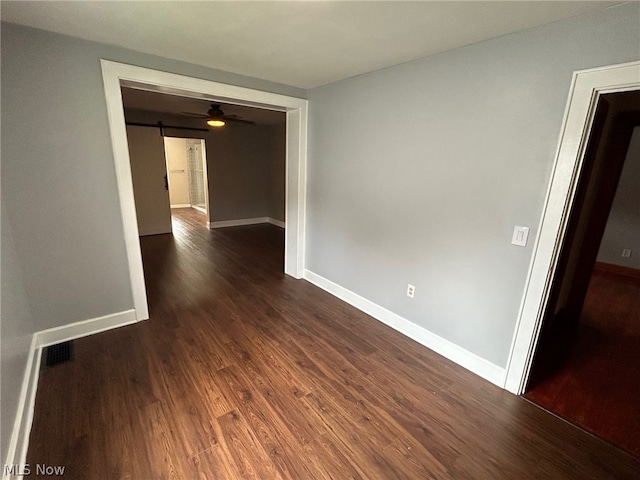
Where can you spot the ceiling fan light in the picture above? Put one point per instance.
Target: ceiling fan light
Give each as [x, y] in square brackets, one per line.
[216, 122]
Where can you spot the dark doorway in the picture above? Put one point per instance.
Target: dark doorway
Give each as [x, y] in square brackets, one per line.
[585, 367]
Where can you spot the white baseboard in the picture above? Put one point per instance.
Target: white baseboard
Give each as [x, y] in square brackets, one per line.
[154, 231]
[276, 222]
[237, 223]
[19, 443]
[472, 362]
[85, 328]
[181, 205]
[245, 221]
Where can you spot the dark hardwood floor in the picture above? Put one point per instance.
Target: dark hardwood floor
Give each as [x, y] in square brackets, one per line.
[242, 372]
[598, 385]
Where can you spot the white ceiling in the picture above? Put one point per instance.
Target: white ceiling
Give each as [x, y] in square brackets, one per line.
[303, 44]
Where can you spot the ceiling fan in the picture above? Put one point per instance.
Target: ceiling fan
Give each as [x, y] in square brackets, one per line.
[217, 118]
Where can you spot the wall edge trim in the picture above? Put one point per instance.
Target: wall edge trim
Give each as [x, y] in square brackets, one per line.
[19, 442]
[276, 222]
[85, 328]
[237, 222]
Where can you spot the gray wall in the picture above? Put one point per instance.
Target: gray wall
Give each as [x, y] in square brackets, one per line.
[418, 173]
[63, 253]
[16, 329]
[58, 175]
[245, 164]
[623, 225]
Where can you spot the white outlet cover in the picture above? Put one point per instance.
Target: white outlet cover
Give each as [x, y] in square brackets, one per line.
[520, 236]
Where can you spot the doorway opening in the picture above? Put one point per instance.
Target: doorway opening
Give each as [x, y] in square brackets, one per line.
[586, 88]
[187, 173]
[587, 356]
[170, 174]
[116, 75]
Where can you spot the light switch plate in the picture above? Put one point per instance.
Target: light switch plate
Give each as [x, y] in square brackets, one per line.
[520, 236]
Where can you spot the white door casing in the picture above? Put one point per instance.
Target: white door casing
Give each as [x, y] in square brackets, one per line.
[116, 75]
[586, 88]
[205, 169]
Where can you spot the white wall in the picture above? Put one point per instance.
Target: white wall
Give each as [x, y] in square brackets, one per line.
[623, 225]
[178, 170]
[418, 173]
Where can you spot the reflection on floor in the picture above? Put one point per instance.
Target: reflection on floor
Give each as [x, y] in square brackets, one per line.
[598, 388]
[184, 218]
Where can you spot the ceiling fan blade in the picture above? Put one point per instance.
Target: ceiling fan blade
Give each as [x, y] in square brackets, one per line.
[196, 114]
[228, 118]
[238, 120]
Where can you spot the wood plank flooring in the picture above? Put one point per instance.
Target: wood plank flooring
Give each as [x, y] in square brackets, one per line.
[598, 386]
[244, 373]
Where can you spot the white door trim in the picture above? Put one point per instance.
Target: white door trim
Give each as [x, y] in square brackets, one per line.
[205, 172]
[586, 88]
[116, 75]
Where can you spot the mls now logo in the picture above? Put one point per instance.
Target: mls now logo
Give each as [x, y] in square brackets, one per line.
[49, 470]
[16, 469]
[41, 469]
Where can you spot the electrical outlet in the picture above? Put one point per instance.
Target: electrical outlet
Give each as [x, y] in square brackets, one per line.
[411, 291]
[626, 253]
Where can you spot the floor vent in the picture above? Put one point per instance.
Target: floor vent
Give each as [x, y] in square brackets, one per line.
[59, 353]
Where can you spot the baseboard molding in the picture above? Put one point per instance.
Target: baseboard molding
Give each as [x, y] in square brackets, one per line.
[19, 442]
[85, 328]
[245, 221]
[276, 222]
[472, 362]
[181, 205]
[237, 223]
[157, 231]
[617, 269]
